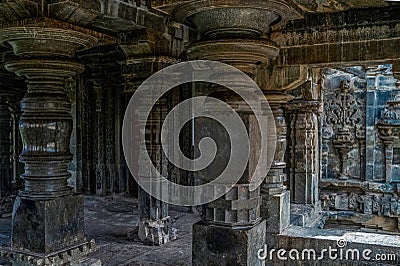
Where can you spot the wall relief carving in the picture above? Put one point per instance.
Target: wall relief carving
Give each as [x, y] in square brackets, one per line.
[343, 130]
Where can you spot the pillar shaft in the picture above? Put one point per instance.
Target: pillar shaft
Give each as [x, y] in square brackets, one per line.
[240, 40]
[304, 156]
[5, 150]
[154, 221]
[98, 132]
[276, 197]
[46, 125]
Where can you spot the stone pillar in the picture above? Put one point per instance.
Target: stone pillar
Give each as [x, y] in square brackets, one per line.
[232, 229]
[155, 226]
[389, 132]
[48, 218]
[276, 197]
[304, 157]
[236, 33]
[5, 149]
[154, 221]
[99, 147]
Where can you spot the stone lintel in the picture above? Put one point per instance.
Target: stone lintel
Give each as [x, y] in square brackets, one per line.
[282, 78]
[340, 46]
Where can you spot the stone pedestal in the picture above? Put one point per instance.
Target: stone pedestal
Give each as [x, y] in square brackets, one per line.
[278, 207]
[48, 226]
[51, 229]
[218, 245]
[42, 235]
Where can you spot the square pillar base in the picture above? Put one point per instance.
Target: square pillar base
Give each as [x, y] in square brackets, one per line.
[48, 225]
[278, 212]
[217, 245]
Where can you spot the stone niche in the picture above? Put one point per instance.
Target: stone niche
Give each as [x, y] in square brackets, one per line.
[354, 187]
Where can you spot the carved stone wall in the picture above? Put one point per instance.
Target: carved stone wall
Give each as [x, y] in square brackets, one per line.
[343, 128]
[354, 186]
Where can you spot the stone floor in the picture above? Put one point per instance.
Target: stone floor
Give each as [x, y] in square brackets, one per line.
[109, 220]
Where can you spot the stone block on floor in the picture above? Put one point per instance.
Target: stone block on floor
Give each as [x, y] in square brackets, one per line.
[217, 245]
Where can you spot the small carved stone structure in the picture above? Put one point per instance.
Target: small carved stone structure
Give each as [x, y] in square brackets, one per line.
[48, 223]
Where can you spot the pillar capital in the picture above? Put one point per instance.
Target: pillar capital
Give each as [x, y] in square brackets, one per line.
[231, 17]
[235, 32]
[49, 37]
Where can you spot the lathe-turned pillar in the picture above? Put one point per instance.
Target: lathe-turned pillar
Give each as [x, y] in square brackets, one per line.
[48, 224]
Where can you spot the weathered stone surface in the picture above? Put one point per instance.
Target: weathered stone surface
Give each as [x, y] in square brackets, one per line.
[5, 149]
[58, 223]
[277, 212]
[340, 242]
[283, 45]
[47, 216]
[304, 151]
[214, 245]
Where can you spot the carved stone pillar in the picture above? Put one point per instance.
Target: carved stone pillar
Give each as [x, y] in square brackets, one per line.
[236, 33]
[276, 197]
[304, 157]
[5, 148]
[389, 132]
[99, 149]
[155, 226]
[48, 224]
[232, 225]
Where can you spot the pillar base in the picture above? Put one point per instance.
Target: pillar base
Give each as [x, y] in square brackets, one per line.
[156, 232]
[217, 245]
[277, 212]
[47, 225]
[73, 256]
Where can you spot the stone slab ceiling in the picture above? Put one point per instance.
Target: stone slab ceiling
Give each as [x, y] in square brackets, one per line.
[127, 15]
[304, 5]
[110, 15]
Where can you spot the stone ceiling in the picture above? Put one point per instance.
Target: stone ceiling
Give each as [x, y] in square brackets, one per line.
[305, 5]
[127, 15]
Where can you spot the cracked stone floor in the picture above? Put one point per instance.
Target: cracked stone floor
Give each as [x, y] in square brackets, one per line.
[109, 220]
